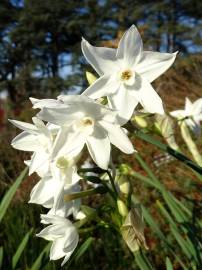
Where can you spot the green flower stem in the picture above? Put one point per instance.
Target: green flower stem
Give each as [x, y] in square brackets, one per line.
[190, 143]
[86, 193]
[112, 183]
[94, 170]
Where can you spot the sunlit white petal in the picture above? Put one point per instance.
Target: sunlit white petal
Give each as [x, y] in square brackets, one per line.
[102, 59]
[130, 47]
[153, 64]
[99, 147]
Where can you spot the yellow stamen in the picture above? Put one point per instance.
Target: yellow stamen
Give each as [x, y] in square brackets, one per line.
[126, 75]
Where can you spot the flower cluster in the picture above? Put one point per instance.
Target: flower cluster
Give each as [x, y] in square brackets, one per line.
[62, 128]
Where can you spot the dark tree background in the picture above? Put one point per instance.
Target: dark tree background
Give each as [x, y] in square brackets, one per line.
[40, 51]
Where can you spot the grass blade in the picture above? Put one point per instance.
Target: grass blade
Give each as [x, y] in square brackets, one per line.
[187, 243]
[83, 248]
[10, 193]
[20, 249]
[1, 256]
[168, 264]
[38, 262]
[142, 262]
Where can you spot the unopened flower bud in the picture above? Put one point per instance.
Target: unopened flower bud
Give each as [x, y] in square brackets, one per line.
[140, 121]
[124, 185]
[124, 169]
[90, 77]
[123, 211]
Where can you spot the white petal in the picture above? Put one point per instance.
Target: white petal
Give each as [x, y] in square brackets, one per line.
[68, 254]
[25, 142]
[58, 198]
[68, 143]
[188, 106]
[71, 235]
[130, 47]
[104, 86]
[153, 64]
[178, 114]
[89, 107]
[47, 219]
[124, 103]
[65, 245]
[99, 147]
[39, 159]
[70, 100]
[60, 116]
[118, 137]
[101, 59]
[33, 100]
[24, 126]
[147, 96]
[43, 169]
[43, 192]
[42, 127]
[56, 251]
[53, 232]
[197, 107]
[46, 103]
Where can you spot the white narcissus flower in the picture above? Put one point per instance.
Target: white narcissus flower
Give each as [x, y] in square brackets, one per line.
[84, 121]
[126, 74]
[63, 234]
[60, 181]
[50, 193]
[37, 138]
[192, 114]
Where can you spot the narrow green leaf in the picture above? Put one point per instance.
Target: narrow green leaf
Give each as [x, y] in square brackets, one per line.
[179, 215]
[142, 261]
[170, 151]
[168, 264]
[143, 178]
[188, 243]
[151, 222]
[182, 243]
[20, 249]
[1, 256]
[148, 218]
[183, 207]
[83, 248]
[38, 262]
[149, 172]
[198, 175]
[169, 198]
[10, 193]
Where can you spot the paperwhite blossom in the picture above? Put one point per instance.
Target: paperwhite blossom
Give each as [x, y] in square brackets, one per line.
[192, 114]
[50, 193]
[83, 121]
[63, 234]
[37, 138]
[126, 74]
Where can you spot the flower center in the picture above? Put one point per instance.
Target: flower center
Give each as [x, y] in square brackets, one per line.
[85, 125]
[126, 75]
[87, 122]
[62, 163]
